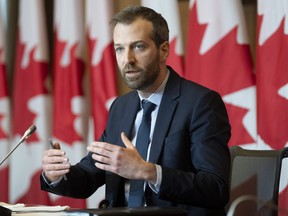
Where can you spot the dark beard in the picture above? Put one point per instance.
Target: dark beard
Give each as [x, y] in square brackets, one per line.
[147, 77]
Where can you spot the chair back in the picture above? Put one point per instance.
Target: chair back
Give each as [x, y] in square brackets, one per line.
[256, 173]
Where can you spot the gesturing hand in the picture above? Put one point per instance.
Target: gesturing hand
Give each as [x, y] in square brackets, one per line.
[125, 162]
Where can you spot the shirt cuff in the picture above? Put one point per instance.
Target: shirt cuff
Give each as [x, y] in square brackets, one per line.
[155, 188]
[51, 184]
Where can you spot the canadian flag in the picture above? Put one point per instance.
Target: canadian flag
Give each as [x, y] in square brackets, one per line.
[218, 57]
[272, 81]
[31, 104]
[170, 11]
[102, 60]
[102, 70]
[4, 116]
[70, 120]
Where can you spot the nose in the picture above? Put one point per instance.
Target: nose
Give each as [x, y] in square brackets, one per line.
[129, 56]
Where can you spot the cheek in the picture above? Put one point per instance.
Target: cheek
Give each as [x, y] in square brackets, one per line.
[119, 61]
[146, 60]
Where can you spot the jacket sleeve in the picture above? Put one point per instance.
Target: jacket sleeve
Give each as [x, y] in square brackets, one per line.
[82, 180]
[206, 182]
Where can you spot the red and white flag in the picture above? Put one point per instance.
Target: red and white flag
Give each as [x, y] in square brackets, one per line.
[102, 70]
[272, 81]
[218, 57]
[101, 61]
[70, 120]
[4, 116]
[31, 104]
[170, 11]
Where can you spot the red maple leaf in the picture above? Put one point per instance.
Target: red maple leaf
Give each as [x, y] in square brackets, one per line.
[271, 68]
[236, 115]
[28, 83]
[226, 68]
[174, 60]
[103, 85]
[67, 84]
[3, 80]
[4, 186]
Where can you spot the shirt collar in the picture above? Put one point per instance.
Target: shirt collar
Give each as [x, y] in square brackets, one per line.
[157, 95]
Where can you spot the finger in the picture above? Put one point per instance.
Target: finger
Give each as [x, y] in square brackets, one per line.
[57, 167]
[98, 151]
[126, 141]
[54, 171]
[101, 159]
[103, 148]
[54, 156]
[57, 160]
[102, 166]
[102, 145]
[54, 152]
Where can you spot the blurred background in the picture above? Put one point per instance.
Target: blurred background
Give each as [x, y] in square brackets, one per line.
[58, 72]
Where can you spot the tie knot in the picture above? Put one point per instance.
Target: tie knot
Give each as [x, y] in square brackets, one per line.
[148, 107]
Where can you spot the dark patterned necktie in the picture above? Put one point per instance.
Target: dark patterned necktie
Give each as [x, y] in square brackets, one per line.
[136, 193]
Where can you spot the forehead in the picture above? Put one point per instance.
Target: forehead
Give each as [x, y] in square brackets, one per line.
[139, 30]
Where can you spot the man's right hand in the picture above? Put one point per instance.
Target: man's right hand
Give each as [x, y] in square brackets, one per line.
[55, 164]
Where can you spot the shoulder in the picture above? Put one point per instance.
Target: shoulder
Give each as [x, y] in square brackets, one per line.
[126, 98]
[128, 102]
[182, 87]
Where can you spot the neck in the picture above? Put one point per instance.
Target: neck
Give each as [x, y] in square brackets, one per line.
[146, 93]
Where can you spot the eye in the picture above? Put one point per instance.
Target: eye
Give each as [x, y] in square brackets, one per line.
[118, 49]
[139, 47]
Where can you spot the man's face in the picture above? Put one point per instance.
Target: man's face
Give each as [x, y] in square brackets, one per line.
[137, 55]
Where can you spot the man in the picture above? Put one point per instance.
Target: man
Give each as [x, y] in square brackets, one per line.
[188, 160]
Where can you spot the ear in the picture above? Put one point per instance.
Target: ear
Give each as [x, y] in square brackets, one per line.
[164, 51]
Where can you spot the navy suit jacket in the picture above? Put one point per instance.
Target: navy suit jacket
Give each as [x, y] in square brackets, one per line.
[189, 143]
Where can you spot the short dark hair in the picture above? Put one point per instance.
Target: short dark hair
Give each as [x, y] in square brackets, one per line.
[160, 32]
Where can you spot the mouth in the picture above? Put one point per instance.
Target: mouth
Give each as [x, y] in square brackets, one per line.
[132, 74]
[131, 71]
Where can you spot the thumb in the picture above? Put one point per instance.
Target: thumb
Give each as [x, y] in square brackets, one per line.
[126, 141]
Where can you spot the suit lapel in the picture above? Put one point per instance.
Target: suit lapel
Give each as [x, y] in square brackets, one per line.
[114, 182]
[130, 115]
[165, 114]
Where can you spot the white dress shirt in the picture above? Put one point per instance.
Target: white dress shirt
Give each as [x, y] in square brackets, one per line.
[155, 98]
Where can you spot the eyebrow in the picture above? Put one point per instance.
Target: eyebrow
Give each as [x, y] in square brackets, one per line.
[135, 42]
